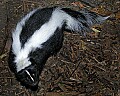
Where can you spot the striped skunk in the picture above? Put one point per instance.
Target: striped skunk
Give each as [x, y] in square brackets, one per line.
[39, 35]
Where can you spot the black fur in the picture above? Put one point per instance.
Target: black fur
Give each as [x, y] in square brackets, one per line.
[74, 14]
[40, 17]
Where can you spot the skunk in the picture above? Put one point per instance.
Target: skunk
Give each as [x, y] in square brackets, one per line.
[39, 35]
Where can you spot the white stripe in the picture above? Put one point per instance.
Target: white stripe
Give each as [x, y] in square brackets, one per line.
[42, 35]
[22, 63]
[29, 75]
[16, 45]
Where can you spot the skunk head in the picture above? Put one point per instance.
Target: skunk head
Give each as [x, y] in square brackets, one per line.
[26, 70]
[29, 76]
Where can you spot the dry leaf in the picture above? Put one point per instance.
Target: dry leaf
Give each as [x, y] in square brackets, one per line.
[78, 4]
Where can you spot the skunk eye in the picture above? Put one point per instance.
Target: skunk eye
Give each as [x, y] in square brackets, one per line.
[33, 74]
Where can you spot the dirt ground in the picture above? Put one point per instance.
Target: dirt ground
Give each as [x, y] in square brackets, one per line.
[85, 66]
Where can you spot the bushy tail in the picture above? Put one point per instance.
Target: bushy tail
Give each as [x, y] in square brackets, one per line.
[82, 21]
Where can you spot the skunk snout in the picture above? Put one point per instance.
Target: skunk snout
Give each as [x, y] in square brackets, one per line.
[28, 77]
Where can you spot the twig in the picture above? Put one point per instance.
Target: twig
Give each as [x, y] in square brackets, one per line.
[86, 3]
[18, 94]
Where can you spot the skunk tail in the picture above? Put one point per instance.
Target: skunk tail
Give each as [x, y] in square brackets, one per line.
[82, 21]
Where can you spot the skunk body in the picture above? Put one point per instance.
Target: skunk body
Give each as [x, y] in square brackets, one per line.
[39, 35]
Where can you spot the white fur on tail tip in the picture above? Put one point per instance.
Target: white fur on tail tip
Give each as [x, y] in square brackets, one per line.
[102, 18]
[105, 18]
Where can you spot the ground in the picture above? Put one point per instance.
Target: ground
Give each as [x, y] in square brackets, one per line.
[85, 66]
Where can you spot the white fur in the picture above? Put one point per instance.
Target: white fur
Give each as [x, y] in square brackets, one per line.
[16, 45]
[40, 36]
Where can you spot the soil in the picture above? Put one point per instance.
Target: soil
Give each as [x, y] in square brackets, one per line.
[85, 66]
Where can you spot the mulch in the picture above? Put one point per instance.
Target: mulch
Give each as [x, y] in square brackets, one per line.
[85, 66]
